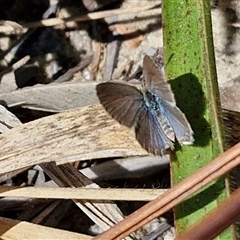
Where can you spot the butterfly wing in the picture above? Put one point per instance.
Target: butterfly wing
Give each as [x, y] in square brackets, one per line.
[179, 123]
[121, 101]
[150, 134]
[154, 79]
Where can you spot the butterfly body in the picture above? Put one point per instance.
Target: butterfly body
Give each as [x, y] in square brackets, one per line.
[152, 112]
[155, 105]
[151, 101]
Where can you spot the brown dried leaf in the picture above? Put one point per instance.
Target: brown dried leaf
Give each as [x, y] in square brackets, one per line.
[53, 97]
[85, 133]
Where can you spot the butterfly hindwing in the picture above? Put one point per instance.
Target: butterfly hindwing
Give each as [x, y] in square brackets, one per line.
[179, 123]
[150, 134]
[121, 101]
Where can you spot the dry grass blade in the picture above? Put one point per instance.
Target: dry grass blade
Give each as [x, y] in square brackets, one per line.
[15, 230]
[81, 134]
[104, 215]
[70, 73]
[87, 17]
[8, 120]
[236, 25]
[128, 167]
[176, 194]
[82, 193]
[53, 97]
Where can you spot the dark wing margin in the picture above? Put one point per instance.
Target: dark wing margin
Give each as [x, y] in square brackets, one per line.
[150, 134]
[121, 101]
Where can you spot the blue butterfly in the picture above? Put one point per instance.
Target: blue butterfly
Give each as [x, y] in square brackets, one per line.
[151, 111]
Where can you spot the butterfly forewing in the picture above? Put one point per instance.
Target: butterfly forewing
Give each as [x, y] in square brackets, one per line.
[155, 80]
[121, 101]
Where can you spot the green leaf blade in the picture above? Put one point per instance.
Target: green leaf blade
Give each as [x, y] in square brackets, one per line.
[189, 56]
